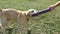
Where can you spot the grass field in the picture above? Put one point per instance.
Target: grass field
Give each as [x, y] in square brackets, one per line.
[48, 23]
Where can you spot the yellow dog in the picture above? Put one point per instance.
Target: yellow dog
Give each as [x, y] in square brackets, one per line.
[21, 17]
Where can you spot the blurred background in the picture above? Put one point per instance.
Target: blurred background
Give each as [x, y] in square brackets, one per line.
[48, 23]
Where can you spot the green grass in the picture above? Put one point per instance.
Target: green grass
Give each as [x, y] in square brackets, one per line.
[48, 23]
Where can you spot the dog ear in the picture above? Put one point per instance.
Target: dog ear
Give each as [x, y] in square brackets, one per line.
[28, 15]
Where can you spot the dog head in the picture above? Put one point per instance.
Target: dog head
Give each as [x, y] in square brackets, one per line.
[30, 12]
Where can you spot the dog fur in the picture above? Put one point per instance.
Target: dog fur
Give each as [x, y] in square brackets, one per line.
[21, 17]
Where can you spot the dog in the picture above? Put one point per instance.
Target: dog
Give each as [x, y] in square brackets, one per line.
[20, 17]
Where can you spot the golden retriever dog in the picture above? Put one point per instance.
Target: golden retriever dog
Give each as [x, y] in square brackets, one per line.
[20, 17]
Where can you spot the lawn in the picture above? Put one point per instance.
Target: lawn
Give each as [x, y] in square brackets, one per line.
[48, 23]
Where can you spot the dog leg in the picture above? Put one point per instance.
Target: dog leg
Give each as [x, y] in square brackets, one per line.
[0, 27]
[3, 22]
[28, 29]
[3, 29]
[20, 28]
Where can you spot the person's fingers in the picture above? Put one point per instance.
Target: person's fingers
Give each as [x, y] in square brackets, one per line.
[52, 7]
[57, 4]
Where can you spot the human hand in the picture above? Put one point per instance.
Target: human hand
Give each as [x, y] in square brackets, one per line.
[54, 5]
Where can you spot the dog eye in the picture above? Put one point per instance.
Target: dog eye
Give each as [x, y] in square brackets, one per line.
[33, 11]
